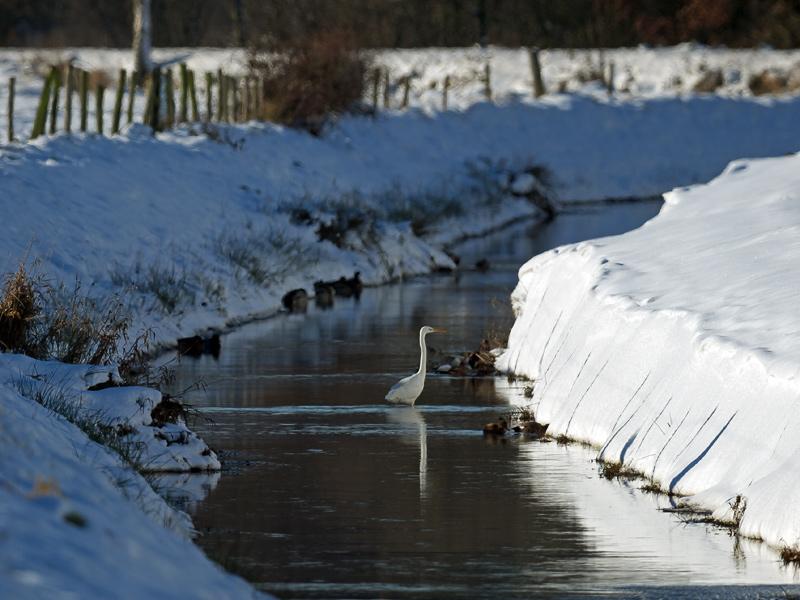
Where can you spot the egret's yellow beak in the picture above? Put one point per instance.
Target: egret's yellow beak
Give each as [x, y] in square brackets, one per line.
[439, 330]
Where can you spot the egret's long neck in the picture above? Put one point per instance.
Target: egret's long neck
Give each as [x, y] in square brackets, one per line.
[423, 353]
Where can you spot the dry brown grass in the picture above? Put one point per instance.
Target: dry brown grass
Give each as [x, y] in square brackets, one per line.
[46, 322]
[310, 80]
[19, 307]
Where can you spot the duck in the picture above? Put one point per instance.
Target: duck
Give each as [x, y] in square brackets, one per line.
[498, 428]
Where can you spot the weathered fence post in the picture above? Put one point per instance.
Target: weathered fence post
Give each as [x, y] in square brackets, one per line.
[118, 101]
[84, 99]
[244, 105]
[40, 121]
[98, 108]
[132, 95]
[153, 106]
[406, 91]
[445, 89]
[170, 94]
[209, 81]
[387, 99]
[55, 92]
[235, 100]
[376, 86]
[254, 99]
[193, 98]
[183, 113]
[610, 81]
[260, 98]
[221, 95]
[536, 71]
[12, 84]
[68, 89]
[487, 81]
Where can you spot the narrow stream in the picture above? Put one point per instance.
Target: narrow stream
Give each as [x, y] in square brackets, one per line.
[328, 492]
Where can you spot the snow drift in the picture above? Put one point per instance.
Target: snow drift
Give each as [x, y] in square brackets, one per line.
[78, 522]
[675, 348]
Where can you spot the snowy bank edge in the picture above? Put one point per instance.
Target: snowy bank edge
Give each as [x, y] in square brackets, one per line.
[654, 393]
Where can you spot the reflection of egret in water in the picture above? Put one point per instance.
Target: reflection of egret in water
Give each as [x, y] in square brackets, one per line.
[411, 416]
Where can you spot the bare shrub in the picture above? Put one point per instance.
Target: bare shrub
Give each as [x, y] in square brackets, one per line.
[309, 80]
[75, 328]
[55, 322]
[19, 307]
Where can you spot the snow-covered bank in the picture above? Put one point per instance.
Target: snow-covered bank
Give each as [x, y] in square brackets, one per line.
[77, 522]
[675, 348]
[203, 231]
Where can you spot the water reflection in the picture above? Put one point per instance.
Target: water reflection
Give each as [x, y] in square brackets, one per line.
[408, 415]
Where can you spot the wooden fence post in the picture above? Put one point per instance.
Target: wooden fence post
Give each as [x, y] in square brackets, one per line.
[376, 86]
[487, 81]
[445, 89]
[84, 99]
[12, 84]
[221, 95]
[245, 103]
[406, 91]
[193, 98]
[209, 82]
[121, 79]
[183, 113]
[386, 88]
[40, 121]
[132, 95]
[259, 98]
[55, 92]
[536, 71]
[68, 89]
[610, 81]
[235, 100]
[170, 93]
[98, 108]
[153, 106]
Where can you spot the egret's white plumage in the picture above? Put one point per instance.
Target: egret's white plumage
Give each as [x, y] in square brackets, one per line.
[408, 389]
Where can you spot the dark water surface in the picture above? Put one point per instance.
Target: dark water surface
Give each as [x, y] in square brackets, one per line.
[328, 492]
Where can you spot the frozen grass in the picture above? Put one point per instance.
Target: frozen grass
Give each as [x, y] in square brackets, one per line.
[264, 255]
[166, 284]
[94, 423]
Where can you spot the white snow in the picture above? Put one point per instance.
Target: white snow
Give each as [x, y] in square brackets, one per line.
[154, 446]
[76, 522]
[675, 348]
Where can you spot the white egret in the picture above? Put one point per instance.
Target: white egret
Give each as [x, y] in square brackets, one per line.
[408, 389]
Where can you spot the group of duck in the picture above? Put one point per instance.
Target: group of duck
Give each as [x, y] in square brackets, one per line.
[296, 301]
